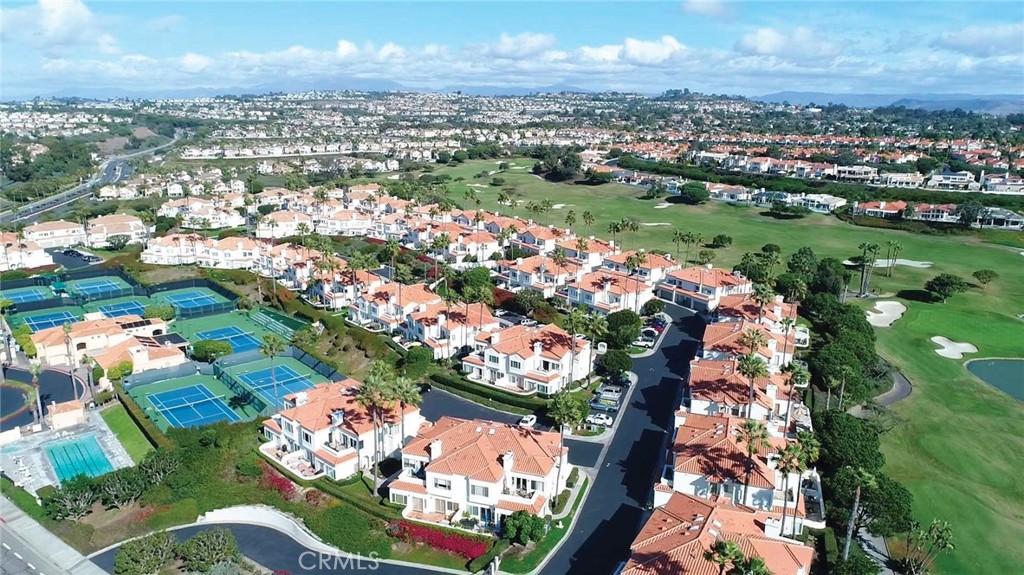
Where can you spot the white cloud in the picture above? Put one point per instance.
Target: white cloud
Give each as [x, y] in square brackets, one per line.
[706, 7]
[346, 49]
[54, 26]
[606, 53]
[195, 63]
[519, 46]
[801, 43]
[996, 40]
[391, 51]
[164, 24]
[647, 52]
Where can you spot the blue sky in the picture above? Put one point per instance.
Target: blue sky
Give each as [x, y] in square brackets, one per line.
[708, 45]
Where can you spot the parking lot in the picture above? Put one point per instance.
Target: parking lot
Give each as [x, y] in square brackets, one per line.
[72, 262]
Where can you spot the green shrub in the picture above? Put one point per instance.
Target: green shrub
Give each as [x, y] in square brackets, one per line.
[652, 307]
[522, 402]
[348, 529]
[522, 527]
[145, 555]
[208, 548]
[23, 335]
[614, 362]
[417, 361]
[480, 563]
[574, 476]
[248, 465]
[210, 350]
[164, 312]
[97, 373]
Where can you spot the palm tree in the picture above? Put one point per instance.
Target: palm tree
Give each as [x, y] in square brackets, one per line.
[582, 247]
[790, 460]
[631, 225]
[34, 368]
[830, 384]
[862, 479]
[895, 248]
[770, 260]
[596, 328]
[570, 219]
[375, 396]
[634, 262]
[762, 296]
[568, 410]
[70, 355]
[755, 435]
[86, 362]
[873, 250]
[689, 239]
[272, 346]
[752, 368]
[574, 323]
[753, 339]
[406, 393]
[678, 237]
[356, 263]
[560, 258]
[796, 290]
[392, 249]
[615, 228]
[448, 296]
[483, 295]
[588, 220]
[864, 248]
[303, 230]
[799, 377]
[750, 566]
[924, 545]
[505, 239]
[722, 553]
[844, 372]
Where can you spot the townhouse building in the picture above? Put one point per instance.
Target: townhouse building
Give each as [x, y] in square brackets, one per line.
[388, 305]
[194, 249]
[449, 329]
[716, 387]
[102, 228]
[683, 528]
[722, 341]
[538, 273]
[652, 267]
[947, 179]
[482, 469]
[909, 180]
[540, 240]
[881, 209]
[344, 223]
[702, 288]
[707, 460]
[606, 291]
[17, 253]
[529, 359]
[326, 428]
[56, 234]
[290, 264]
[589, 253]
[339, 288]
[283, 223]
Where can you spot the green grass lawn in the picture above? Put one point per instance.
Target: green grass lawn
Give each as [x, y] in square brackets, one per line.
[127, 432]
[962, 438]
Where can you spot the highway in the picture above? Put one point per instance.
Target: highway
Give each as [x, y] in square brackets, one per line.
[19, 558]
[111, 171]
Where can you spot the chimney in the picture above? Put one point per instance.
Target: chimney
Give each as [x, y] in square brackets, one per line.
[537, 347]
[301, 398]
[441, 319]
[337, 417]
[435, 449]
[709, 266]
[506, 465]
[495, 337]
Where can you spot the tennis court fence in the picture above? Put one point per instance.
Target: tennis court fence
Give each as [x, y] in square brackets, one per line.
[174, 372]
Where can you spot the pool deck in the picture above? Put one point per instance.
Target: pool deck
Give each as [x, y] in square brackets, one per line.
[25, 461]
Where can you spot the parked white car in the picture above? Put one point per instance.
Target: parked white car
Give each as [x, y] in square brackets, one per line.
[600, 419]
[528, 421]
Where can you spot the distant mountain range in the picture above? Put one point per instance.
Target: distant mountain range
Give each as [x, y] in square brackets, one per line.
[341, 83]
[993, 104]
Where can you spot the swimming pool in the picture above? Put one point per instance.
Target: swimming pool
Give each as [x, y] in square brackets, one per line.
[78, 456]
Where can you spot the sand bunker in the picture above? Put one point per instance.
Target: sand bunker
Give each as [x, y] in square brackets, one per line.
[662, 206]
[883, 263]
[887, 314]
[477, 186]
[658, 224]
[559, 206]
[952, 349]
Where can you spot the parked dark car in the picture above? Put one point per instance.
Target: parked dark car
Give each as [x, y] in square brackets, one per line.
[605, 404]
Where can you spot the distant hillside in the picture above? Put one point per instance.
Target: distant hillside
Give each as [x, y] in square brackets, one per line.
[512, 91]
[994, 104]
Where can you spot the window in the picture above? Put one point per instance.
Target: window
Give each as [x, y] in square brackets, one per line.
[516, 365]
[443, 484]
[306, 437]
[479, 490]
[492, 359]
[287, 427]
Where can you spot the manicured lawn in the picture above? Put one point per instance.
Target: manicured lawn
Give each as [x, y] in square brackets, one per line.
[958, 448]
[529, 561]
[127, 432]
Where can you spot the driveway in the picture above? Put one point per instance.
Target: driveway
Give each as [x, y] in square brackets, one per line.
[614, 509]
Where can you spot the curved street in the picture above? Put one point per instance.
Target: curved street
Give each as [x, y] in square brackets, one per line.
[621, 484]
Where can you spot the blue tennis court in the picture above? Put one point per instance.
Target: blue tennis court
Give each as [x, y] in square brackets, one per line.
[96, 286]
[191, 299]
[123, 308]
[288, 380]
[239, 340]
[48, 320]
[26, 294]
[192, 406]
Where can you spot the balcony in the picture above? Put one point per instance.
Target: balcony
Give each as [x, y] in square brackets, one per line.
[526, 494]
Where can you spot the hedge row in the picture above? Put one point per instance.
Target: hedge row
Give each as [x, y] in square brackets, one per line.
[380, 511]
[494, 394]
[149, 429]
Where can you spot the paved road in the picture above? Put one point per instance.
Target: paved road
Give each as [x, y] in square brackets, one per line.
[111, 171]
[19, 558]
[901, 389]
[614, 509]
